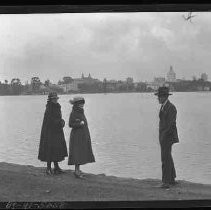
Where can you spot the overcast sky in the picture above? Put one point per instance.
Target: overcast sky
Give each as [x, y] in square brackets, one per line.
[106, 45]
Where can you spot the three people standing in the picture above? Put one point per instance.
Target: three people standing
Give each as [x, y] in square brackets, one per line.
[53, 146]
[167, 136]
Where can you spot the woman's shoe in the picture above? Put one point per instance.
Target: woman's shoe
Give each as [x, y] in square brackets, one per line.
[58, 171]
[49, 172]
[79, 176]
[81, 172]
[174, 183]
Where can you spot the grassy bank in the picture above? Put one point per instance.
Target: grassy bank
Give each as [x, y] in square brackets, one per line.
[28, 183]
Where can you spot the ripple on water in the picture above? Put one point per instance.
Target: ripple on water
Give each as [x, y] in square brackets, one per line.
[124, 135]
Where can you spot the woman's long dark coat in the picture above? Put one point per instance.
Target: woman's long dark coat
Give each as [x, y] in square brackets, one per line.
[80, 149]
[52, 141]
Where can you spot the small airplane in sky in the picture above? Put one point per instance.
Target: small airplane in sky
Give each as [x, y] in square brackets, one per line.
[189, 17]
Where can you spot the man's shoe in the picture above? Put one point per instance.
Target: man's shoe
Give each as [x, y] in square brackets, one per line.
[165, 186]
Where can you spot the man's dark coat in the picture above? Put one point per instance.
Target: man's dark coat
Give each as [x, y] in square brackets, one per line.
[167, 136]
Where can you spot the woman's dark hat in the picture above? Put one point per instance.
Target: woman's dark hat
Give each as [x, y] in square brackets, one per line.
[77, 100]
[163, 91]
[53, 95]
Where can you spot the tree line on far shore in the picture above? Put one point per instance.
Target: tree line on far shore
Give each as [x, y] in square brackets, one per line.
[15, 87]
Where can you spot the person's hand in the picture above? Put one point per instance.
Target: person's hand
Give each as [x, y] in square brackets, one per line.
[63, 123]
[82, 122]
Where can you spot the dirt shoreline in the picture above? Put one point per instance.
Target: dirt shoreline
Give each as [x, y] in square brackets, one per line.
[21, 183]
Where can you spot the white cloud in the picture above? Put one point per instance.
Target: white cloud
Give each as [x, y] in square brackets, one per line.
[142, 45]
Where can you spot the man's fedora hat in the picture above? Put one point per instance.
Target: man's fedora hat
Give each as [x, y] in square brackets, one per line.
[163, 91]
[78, 100]
[53, 95]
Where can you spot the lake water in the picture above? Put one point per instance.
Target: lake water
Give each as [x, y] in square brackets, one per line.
[124, 131]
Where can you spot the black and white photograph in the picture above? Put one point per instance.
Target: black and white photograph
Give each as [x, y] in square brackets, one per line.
[105, 106]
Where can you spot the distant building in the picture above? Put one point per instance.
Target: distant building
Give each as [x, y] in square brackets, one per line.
[199, 88]
[87, 80]
[69, 87]
[73, 86]
[160, 81]
[204, 77]
[180, 80]
[171, 75]
[206, 88]
[152, 85]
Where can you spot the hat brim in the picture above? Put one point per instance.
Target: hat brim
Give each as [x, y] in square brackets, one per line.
[163, 94]
[54, 97]
[71, 101]
[75, 102]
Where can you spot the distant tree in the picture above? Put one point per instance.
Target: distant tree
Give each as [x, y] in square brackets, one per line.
[149, 89]
[26, 88]
[123, 87]
[104, 84]
[67, 80]
[194, 78]
[35, 82]
[190, 85]
[55, 88]
[16, 86]
[60, 82]
[129, 80]
[5, 88]
[141, 87]
[130, 84]
[46, 83]
[131, 87]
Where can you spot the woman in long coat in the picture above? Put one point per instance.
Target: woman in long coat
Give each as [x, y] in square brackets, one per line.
[52, 146]
[80, 149]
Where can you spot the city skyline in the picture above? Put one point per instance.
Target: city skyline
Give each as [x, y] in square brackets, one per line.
[202, 75]
[141, 45]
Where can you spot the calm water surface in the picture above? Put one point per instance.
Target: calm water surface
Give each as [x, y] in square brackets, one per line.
[124, 131]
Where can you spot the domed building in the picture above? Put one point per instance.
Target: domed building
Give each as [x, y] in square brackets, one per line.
[171, 75]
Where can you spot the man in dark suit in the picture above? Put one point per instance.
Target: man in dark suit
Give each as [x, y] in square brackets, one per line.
[167, 136]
